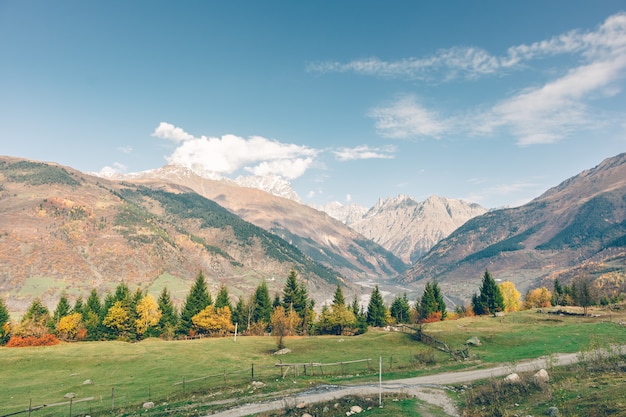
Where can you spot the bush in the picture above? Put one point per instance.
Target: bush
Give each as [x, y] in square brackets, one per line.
[26, 341]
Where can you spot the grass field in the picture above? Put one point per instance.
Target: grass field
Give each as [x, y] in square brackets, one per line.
[220, 368]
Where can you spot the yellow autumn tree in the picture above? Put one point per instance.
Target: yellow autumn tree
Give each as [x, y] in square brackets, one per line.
[148, 314]
[538, 298]
[284, 323]
[117, 318]
[69, 326]
[512, 297]
[213, 320]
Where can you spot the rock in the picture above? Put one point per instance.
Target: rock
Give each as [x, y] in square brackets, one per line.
[553, 412]
[69, 395]
[257, 384]
[542, 376]
[326, 410]
[301, 406]
[473, 341]
[88, 382]
[282, 351]
[513, 379]
[148, 405]
[355, 409]
[500, 314]
[306, 415]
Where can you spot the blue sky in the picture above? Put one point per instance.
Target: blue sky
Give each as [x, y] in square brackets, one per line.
[492, 102]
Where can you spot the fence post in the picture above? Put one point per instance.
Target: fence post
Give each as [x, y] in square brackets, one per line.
[112, 398]
[252, 371]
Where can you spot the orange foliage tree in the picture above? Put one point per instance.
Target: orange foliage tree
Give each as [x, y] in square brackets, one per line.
[538, 298]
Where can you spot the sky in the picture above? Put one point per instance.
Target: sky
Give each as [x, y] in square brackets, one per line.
[491, 102]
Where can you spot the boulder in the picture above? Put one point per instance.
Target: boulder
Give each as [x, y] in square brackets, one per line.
[301, 406]
[553, 412]
[473, 341]
[512, 379]
[355, 409]
[258, 384]
[542, 376]
[88, 382]
[148, 405]
[306, 415]
[282, 351]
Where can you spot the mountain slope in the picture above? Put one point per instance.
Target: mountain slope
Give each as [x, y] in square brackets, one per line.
[409, 228]
[322, 238]
[63, 230]
[580, 222]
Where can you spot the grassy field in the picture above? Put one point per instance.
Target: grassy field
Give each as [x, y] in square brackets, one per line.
[220, 368]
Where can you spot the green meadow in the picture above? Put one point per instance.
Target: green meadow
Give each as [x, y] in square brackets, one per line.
[120, 376]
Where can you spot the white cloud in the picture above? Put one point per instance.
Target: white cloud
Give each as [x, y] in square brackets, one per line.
[230, 153]
[472, 62]
[406, 118]
[536, 115]
[171, 132]
[364, 152]
[109, 171]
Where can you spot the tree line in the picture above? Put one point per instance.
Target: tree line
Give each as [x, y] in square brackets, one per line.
[132, 316]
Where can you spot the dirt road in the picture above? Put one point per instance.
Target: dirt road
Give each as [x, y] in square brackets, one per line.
[427, 388]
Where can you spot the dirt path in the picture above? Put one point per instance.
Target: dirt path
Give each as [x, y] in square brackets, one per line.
[426, 388]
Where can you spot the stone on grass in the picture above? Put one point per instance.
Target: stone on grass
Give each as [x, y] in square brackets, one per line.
[542, 376]
[513, 379]
[88, 382]
[356, 409]
[282, 351]
[257, 384]
[148, 405]
[301, 405]
[473, 341]
[553, 412]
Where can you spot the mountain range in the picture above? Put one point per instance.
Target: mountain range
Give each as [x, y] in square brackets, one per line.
[576, 230]
[65, 230]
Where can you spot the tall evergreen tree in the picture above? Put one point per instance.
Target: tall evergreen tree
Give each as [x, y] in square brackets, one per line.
[295, 295]
[63, 308]
[400, 309]
[5, 323]
[490, 299]
[240, 316]
[441, 305]
[197, 300]
[376, 310]
[78, 306]
[262, 304]
[169, 316]
[223, 299]
[338, 299]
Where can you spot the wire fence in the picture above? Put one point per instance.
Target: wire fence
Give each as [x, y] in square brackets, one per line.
[114, 400]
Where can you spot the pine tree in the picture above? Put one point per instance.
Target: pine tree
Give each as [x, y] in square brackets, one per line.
[197, 300]
[63, 308]
[240, 316]
[5, 323]
[338, 299]
[490, 300]
[428, 303]
[376, 310]
[441, 305]
[262, 305]
[78, 306]
[295, 295]
[169, 316]
[91, 316]
[223, 299]
[400, 309]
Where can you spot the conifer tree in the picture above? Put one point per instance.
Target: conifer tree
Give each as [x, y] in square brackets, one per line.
[400, 309]
[197, 300]
[441, 305]
[169, 316]
[240, 316]
[223, 299]
[338, 299]
[5, 323]
[490, 299]
[78, 306]
[63, 308]
[262, 304]
[376, 310]
[91, 316]
[295, 295]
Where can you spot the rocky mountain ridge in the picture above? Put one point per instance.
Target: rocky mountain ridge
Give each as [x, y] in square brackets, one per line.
[574, 230]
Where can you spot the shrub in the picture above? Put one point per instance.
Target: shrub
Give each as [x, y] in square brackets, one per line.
[26, 341]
